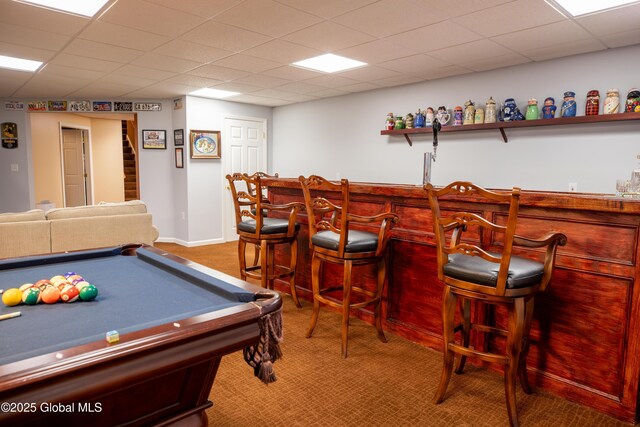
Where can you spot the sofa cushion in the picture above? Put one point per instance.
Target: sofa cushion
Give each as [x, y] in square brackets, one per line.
[32, 215]
[24, 238]
[101, 209]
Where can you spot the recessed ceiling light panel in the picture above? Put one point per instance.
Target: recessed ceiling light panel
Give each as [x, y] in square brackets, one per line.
[86, 8]
[19, 63]
[329, 63]
[213, 93]
[582, 7]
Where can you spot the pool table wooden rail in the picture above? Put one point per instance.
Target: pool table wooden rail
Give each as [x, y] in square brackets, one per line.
[586, 331]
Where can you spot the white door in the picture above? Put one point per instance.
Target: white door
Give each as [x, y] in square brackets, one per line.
[75, 193]
[244, 150]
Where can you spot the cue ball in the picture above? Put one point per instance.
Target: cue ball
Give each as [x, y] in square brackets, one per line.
[88, 292]
[50, 295]
[69, 293]
[31, 296]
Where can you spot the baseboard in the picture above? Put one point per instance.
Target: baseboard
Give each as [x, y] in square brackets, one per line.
[190, 244]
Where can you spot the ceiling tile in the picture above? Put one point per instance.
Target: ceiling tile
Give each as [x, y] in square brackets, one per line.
[398, 81]
[224, 36]
[360, 87]
[32, 37]
[326, 93]
[282, 51]
[117, 35]
[413, 65]
[102, 51]
[326, 8]
[496, 62]
[192, 51]
[446, 71]
[377, 51]
[626, 38]
[72, 72]
[430, 37]
[26, 52]
[300, 87]
[388, 17]
[10, 81]
[366, 74]
[267, 17]
[564, 49]
[204, 8]
[247, 63]
[161, 90]
[328, 37]
[217, 72]
[510, 17]
[234, 86]
[84, 63]
[450, 9]
[193, 81]
[545, 35]
[611, 22]
[470, 52]
[292, 73]
[273, 93]
[95, 90]
[259, 100]
[262, 80]
[54, 85]
[166, 63]
[134, 82]
[331, 81]
[143, 72]
[145, 16]
[300, 98]
[40, 19]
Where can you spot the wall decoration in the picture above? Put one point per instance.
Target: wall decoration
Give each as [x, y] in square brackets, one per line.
[179, 158]
[9, 135]
[37, 106]
[57, 105]
[83, 106]
[154, 139]
[13, 105]
[177, 104]
[147, 106]
[102, 106]
[205, 144]
[123, 106]
[178, 137]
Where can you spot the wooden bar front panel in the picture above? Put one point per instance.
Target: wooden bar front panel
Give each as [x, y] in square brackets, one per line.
[584, 338]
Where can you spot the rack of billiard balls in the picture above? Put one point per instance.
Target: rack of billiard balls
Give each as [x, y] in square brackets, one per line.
[61, 288]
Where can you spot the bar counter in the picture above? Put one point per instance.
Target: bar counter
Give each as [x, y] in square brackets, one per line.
[585, 336]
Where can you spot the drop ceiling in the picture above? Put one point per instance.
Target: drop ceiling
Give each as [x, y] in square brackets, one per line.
[151, 49]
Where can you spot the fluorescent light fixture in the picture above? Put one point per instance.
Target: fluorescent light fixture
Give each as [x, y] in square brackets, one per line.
[207, 92]
[86, 8]
[582, 7]
[329, 63]
[19, 63]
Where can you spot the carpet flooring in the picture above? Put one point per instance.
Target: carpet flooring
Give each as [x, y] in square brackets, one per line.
[379, 384]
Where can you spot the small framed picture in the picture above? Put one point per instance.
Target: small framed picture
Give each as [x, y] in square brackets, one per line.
[178, 137]
[205, 144]
[154, 139]
[179, 158]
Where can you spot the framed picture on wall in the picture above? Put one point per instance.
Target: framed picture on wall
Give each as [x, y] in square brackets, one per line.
[154, 139]
[178, 137]
[205, 144]
[179, 158]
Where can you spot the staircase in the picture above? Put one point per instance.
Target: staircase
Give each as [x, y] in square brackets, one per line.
[130, 169]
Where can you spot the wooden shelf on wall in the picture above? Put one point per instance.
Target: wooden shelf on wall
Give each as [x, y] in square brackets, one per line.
[501, 126]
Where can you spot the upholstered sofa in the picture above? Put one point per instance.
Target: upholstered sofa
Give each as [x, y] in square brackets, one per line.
[83, 227]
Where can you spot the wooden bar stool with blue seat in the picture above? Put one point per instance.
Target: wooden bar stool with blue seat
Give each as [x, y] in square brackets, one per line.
[487, 273]
[257, 223]
[333, 239]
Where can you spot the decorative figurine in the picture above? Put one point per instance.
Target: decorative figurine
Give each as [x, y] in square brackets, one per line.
[549, 108]
[430, 116]
[390, 123]
[419, 120]
[612, 102]
[510, 111]
[592, 107]
[399, 123]
[469, 113]
[490, 111]
[443, 116]
[633, 101]
[568, 108]
[479, 117]
[532, 110]
[457, 116]
[408, 121]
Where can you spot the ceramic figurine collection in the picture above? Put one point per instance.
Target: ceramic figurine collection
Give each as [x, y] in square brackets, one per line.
[509, 111]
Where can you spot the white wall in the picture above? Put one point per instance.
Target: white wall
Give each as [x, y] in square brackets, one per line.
[16, 188]
[341, 136]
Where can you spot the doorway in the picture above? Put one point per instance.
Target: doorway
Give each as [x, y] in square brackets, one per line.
[245, 151]
[76, 167]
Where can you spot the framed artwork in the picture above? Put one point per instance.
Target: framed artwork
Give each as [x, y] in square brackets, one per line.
[205, 144]
[154, 139]
[178, 137]
[179, 158]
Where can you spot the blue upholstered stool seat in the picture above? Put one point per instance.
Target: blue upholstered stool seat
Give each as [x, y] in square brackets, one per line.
[522, 272]
[358, 241]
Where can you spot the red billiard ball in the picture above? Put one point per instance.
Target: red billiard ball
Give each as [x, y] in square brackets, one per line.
[69, 293]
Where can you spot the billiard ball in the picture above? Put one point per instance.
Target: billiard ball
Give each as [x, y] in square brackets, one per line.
[88, 292]
[31, 296]
[26, 286]
[80, 284]
[70, 273]
[12, 297]
[42, 284]
[69, 293]
[50, 295]
[55, 279]
[73, 278]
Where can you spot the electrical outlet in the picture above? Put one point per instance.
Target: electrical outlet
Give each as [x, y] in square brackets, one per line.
[573, 187]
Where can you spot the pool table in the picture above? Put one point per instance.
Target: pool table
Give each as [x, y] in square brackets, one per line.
[175, 318]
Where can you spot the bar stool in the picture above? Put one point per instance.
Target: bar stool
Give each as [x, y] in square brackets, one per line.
[256, 224]
[332, 239]
[487, 274]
